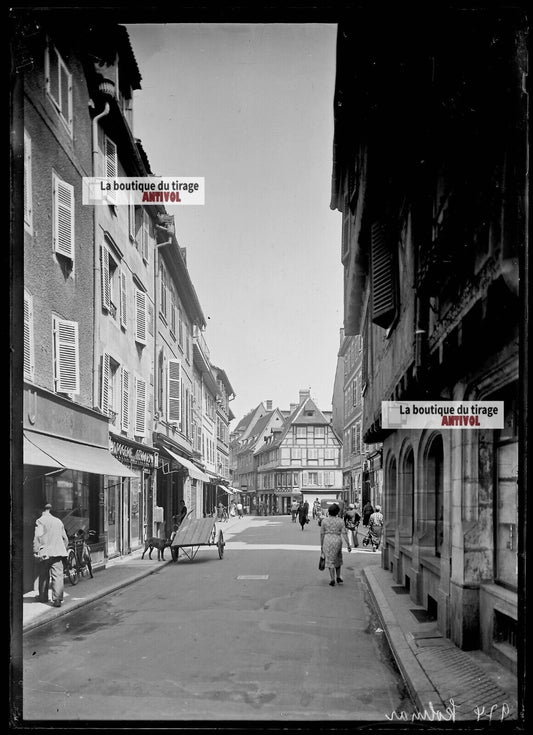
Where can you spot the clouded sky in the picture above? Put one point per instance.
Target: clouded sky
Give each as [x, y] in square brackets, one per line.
[250, 108]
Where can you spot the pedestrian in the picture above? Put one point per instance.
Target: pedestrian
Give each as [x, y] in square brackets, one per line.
[50, 542]
[232, 509]
[220, 511]
[332, 534]
[375, 528]
[294, 510]
[182, 513]
[303, 514]
[368, 509]
[316, 508]
[351, 521]
[239, 509]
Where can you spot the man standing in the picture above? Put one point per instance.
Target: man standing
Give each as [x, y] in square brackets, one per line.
[50, 543]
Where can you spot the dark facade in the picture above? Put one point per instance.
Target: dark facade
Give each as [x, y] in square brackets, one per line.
[430, 177]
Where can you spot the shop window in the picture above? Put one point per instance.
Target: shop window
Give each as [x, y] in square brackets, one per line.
[69, 496]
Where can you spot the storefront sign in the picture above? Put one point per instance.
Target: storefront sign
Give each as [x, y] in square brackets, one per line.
[132, 455]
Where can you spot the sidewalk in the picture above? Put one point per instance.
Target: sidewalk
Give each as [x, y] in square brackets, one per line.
[435, 671]
[441, 678]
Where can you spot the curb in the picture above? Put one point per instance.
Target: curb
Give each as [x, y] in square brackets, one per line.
[421, 690]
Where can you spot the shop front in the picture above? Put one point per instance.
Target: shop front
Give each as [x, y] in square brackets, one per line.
[66, 462]
[129, 501]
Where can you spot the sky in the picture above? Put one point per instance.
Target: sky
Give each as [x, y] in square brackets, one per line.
[249, 107]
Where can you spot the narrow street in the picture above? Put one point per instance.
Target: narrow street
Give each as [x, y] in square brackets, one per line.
[258, 635]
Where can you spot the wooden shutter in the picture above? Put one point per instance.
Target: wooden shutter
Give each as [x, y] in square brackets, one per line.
[29, 355]
[66, 356]
[174, 392]
[145, 235]
[383, 277]
[63, 217]
[140, 316]
[125, 399]
[123, 300]
[111, 166]
[104, 384]
[140, 407]
[28, 204]
[104, 278]
[131, 221]
[150, 318]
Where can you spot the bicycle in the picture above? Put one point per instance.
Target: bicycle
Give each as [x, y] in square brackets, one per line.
[78, 562]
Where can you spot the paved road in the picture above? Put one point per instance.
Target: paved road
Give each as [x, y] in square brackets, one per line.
[256, 636]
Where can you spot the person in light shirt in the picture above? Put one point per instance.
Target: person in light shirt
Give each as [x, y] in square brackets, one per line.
[50, 544]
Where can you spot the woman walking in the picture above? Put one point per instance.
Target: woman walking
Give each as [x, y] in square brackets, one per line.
[332, 534]
[375, 528]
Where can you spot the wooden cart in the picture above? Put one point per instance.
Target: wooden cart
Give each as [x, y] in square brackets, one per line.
[195, 533]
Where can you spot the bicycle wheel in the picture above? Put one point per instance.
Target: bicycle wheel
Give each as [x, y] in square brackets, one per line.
[88, 561]
[72, 568]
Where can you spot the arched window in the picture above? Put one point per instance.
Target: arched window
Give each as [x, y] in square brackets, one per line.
[407, 495]
[435, 490]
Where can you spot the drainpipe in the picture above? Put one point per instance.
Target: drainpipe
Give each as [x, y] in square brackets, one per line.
[96, 268]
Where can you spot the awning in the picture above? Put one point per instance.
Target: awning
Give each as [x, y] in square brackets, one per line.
[227, 490]
[73, 455]
[34, 456]
[194, 471]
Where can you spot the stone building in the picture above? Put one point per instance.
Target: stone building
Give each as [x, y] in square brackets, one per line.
[429, 174]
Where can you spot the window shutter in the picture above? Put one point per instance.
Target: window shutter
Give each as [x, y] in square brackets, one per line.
[28, 205]
[104, 279]
[104, 386]
[111, 167]
[305, 478]
[140, 407]
[63, 217]
[140, 316]
[174, 392]
[66, 357]
[150, 318]
[131, 221]
[383, 277]
[29, 356]
[125, 399]
[145, 235]
[123, 301]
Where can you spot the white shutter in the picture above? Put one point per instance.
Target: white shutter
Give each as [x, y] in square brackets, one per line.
[29, 356]
[174, 392]
[104, 386]
[63, 217]
[28, 203]
[145, 235]
[123, 301]
[124, 399]
[104, 280]
[131, 221]
[111, 166]
[66, 356]
[140, 407]
[140, 316]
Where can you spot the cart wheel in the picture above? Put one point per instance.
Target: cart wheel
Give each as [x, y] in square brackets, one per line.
[220, 544]
[72, 568]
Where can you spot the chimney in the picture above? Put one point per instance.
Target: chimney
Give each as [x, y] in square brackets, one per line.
[304, 394]
[269, 405]
[293, 407]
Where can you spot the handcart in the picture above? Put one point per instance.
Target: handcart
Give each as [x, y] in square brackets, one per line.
[194, 533]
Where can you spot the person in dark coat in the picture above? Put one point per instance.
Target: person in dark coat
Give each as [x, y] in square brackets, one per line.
[368, 509]
[303, 514]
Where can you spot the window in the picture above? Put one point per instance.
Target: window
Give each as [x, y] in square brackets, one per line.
[174, 392]
[141, 313]
[354, 393]
[110, 386]
[28, 203]
[29, 353]
[123, 300]
[163, 289]
[140, 407]
[59, 85]
[66, 356]
[63, 217]
[172, 311]
[180, 327]
[111, 283]
[125, 399]
[383, 277]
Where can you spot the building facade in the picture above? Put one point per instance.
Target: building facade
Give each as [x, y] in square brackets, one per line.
[434, 231]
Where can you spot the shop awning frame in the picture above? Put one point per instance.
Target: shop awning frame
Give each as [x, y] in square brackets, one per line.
[192, 469]
[71, 455]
